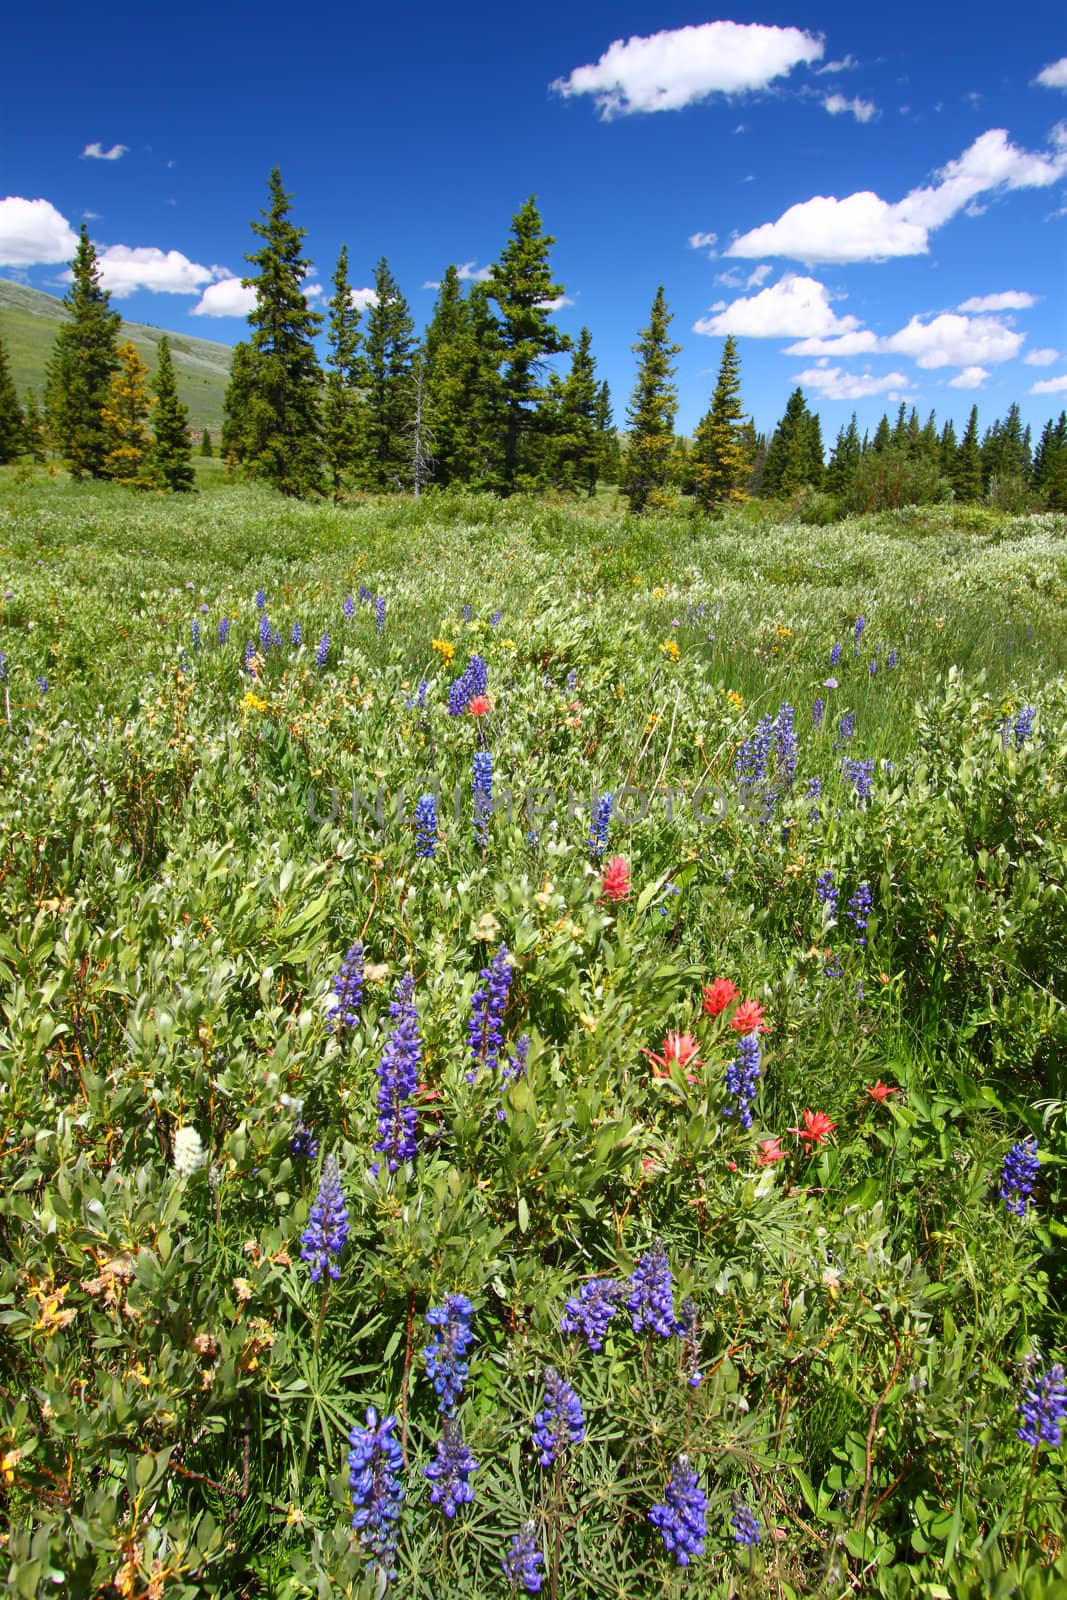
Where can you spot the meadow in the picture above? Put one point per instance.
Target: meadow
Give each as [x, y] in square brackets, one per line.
[679, 1178]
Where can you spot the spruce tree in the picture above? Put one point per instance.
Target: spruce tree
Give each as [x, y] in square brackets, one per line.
[172, 452]
[609, 458]
[1050, 464]
[947, 448]
[795, 457]
[844, 459]
[124, 420]
[389, 403]
[521, 284]
[278, 436]
[205, 444]
[462, 357]
[967, 470]
[341, 399]
[236, 437]
[33, 428]
[575, 447]
[83, 359]
[883, 437]
[12, 423]
[720, 464]
[651, 412]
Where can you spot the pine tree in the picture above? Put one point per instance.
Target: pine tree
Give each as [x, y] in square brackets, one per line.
[947, 449]
[205, 444]
[844, 459]
[521, 285]
[609, 457]
[1050, 464]
[172, 452]
[651, 412]
[967, 470]
[12, 422]
[278, 436]
[720, 464]
[33, 428]
[83, 359]
[236, 437]
[1006, 451]
[462, 353]
[575, 447]
[883, 437]
[389, 404]
[341, 433]
[124, 419]
[795, 455]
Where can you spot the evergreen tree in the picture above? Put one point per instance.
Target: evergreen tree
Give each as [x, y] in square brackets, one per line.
[389, 403]
[461, 360]
[205, 444]
[342, 444]
[651, 412]
[795, 455]
[966, 474]
[83, 359]
[947, 450]
[899, 437]
[33, 428]
[1006, 451]
[1050, 464]
[883, 437]
[278, 436]
[12, 423]
[236, 438]
[929, 443]
[756, 451]
[609, 461]
[521, 285]
[844, 459]
[720, 464]
[124, 419]
[172, 451]
[575, 446]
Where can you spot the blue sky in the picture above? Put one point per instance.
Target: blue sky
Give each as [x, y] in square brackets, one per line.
[875, 205]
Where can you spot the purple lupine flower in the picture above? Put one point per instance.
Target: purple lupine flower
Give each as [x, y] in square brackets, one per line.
[250, 650]
[449, 1473]
[835, 655]
[515, 1066]
[445, 1366]
[751, 761]
[891, 659]
[560, 1422]
[324, 1237]
[425, 826]
[322, 651]
[599, 825]
[1043, 1407]
[482, 795]
[468, 612]
[520, 1565]
[857, 632]
[224, 629]
[265, 634]
[365, 595]
[741, 1077]
[846, 727]
[379, 613]
[682, 1518]
[375, 1464]
[296, 636]
[744, 1522]
[3, 667]
[1021, 1166]
[651, 1301]
[1024, 724]
[688, 1330]
[275, 640]
[590, 1311]
[261, 599]
[872, 668]
[196, 634]
[860, 775]
[348, 989]
[494, 620]
[42, 683]
[859, 909]
[349, 607]
[398, 1079]
[303, 1145]
[818, 711]
[485, 1029]
[785, 744]
[479, 675]
[826, 892]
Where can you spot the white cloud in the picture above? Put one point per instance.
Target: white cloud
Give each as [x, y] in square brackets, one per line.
[469, 273]
[1041, 358]
[1049, 385]
[124, 270]
[681, 66]
[1010, 300]
[833, 384]
[859, 343]
[96, 152]
[969, 378]
[228, 298]
[864, 227]
[845, 65]
[795, 307]
[363, 299]
[1054, 76]
[759, 275]
[703, 241]
[862, 110]
[954, 341]
[557, 304]
[32, 232]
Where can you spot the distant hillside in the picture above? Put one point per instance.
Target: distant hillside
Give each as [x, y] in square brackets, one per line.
[28, 322]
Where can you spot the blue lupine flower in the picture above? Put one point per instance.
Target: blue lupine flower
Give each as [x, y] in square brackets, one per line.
[744, 1523]
[348, 989]
[826, 892]
[398, 1079]
[859, 908]
[449, 1474]
[785, 743]
[861, 623]
[479, 675]
[265, 634]
[520, 1565]
[296, 636]
[322, 651]
[590, 1311]
[571, 679]
[1024, 724]
[250, 650]
[473, 680]
[599, 824]
[485, 1029]
[303, 1145]
[1043, 1408]
[560, 1422]
[468, 612]
[375, 1463]
[835, 655]
[682, 1519]
[891, 659]
[1021, 1166]
[817, 712]
[324, 1237]
[741, 1077]
[349, 607]
[872, 668]
[515, 1066]
[494, 620]
[365, 595]
[42, 683]
[861, 776]
[445, 1365]
[379, 613]
[846, 727]
[261, 599]
[688, 1330]
[750, 762]
[482, 794]
[651, 1301]
[224, 629]
[196, 634]
[425, 825]
[276, 640]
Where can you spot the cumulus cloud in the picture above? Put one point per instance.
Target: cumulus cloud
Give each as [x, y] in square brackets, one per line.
[557, 304]
[864, 227]
[703, 241]
[834, 384]
[1010, 300]
[954, 341]
[1049, 385]
[681, 66]
[34, 233]
[124, 270]
[793, 308]
[969, 378]
[844, 65]
[227, 298]
[861, 342]
[96, 152]
[1041, 358]
[862, 110]
[1054, 76]
[469, 273]
[363, 299]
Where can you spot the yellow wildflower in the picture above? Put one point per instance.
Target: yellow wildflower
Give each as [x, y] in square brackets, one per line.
[8, 1462]
[735, 700]
[444, 649]
[658, 593]
[782, 632]
[252, 702]
[652, 721]
[669, 647]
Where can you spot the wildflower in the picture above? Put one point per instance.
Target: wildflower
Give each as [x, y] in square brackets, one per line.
[1021, 1165]
[858, 630]
[590, 1311]
[365, 595]
[379, 613]
[872, 668]
[189, 1154]
[348, 989]
[3, 667]
[598, 827]
[718, 995]
[42, 683]
[829, 683]
[1024, 724]
[741, 1077]
[748, 1018]
[817, 712]
[398, 1079]
[322, 651]
[669, 647]
[425, 825]
[349, 607]
[835, 655]
[816, 1129]
[688, 1330]
[846, 727]
[881, 1091]
[560, 1422]
[449, 1474]
[744, 1523]
[485, 1028]
[682, 1519]
[651, 1302]
[785, 743]
[891, 659]
[324, 1237]
[494, 620]
[615, 880]
[520, 1565]
[261, 599]
[445, 1366]
[1043, 1408]
[265, 634]
[482, 794]
[859, 908]
[296, 636]
[303, 1145]
[196, 634]
[825, 891]
[480, 705]
[515, 1066]
[375, 1464]
[677, 1047]
[770, 1151]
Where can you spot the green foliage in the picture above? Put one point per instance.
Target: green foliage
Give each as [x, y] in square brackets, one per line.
[720, 463]
[12, 422]
[651, 413]
[172, 451]
[795, 455]
[124, 419]
[342, 435]
[84, 357]
[389, 399]
[887, 479]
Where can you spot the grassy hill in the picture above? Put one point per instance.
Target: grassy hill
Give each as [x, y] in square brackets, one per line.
[28, 325]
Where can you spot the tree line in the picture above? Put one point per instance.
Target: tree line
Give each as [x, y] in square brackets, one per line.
[474, 403]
